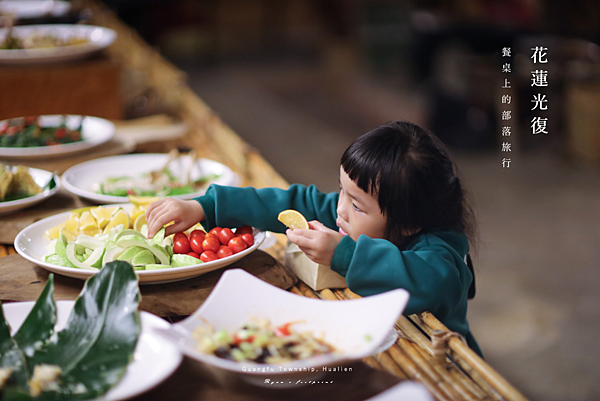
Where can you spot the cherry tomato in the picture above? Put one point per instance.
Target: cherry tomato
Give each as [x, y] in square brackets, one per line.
[208, 256]
[215, 231]
[283, 331]
[248, 239]
[243, 230]
[196, 244]
[211, 244]
[182, 245]
[225, 234]
[176, 236]
[237, 244]
[212, 235]
[194, 254]
[224, 251]
[197, 233]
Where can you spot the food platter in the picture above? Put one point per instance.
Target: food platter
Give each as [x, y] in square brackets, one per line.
[41, 178]
[32, 244]
[97, 38]
[83, 179]
[154, 358]
[95, 131]
[351, 326]
[26, 9]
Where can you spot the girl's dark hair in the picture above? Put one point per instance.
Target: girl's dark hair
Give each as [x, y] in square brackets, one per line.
[410, 172]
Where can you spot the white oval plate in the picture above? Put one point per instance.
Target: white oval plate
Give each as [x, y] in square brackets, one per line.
[32, 244]
[154, 358]
[41, 177]
[95, 131]
[350, 327]
[84, 178]
[24, 9]
[98, 38]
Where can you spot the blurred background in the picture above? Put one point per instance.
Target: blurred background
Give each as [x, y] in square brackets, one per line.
[300, 79]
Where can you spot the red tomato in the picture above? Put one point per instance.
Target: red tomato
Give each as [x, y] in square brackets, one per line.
[215, 231]
[194, 254]
[196, 244]
[197, 233]
[208, 256]
[182, 245]
[283, 331]
[176, 236]
[225, 234]
[211, 235]
[224, 251]
[237, 244]
[211, 244]
[243, 230]
[248, 239]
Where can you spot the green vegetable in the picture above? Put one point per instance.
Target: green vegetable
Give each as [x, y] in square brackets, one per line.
[94, 348]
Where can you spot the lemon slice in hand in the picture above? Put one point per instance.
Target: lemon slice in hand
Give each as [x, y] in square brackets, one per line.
[293, 219]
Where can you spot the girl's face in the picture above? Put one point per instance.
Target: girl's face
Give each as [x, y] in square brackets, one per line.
[358, 211]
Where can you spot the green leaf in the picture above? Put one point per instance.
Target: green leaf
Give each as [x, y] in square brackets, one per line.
[12, 357]
[39, 325]
[98, 341]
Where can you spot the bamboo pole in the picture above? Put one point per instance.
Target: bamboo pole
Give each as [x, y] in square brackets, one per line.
[3, 251]
[462, 350]
[296, 291]
[389, 364]
[11, 250]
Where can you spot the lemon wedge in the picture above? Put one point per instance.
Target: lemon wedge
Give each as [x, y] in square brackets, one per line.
[102, 216]
[293, 219]
[142, 200]
[139, 222]
[54, 232]
[120, 217]
[87, 221]
[69, 235]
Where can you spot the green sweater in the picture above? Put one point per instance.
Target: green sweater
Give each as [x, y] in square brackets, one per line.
[431, 267]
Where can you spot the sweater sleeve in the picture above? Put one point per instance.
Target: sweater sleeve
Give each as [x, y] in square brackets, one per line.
[428, 272]
[234, 206]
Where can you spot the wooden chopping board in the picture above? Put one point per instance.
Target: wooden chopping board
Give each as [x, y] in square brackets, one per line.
[24, 281]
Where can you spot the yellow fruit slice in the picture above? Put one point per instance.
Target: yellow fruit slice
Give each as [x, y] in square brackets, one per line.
[54, 232]
[92, 231]
[87, 221]
[293, 219]
[136, 211]
[120, 217]
[70, 235]
[102, 216]
[142, 200]
[79, 211]
[72, 224]
[139, 222]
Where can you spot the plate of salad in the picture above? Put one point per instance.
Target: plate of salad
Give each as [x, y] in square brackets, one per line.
[112, 179]
[21, 187]
[34, 44]
[69, 245]
[39, 137]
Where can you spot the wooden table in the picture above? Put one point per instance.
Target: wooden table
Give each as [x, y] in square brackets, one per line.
[449, 369]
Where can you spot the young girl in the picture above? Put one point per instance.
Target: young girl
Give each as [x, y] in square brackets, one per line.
[400, 220]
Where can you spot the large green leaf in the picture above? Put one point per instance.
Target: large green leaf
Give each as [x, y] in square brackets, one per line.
[99, 338]
[11, 356]
[39, 325]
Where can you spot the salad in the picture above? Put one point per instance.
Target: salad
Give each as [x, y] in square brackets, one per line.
[25, 132]
[261, 342]
[162, 182]
[16, 183]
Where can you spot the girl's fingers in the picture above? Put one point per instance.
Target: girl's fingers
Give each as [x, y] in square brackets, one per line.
[154, 205]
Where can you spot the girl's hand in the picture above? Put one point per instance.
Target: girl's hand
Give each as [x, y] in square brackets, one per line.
[184, 213]
[318, 244]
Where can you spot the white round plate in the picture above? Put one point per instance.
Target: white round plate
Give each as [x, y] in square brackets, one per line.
[41, 177]
[98, 39]
[24, 9]
[84, 178]
[154, 358]
[32, 244]
[95, 131]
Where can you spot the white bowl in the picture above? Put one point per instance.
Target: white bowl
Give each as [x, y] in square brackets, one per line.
[41, 177]
[32, 243]
[355, 328]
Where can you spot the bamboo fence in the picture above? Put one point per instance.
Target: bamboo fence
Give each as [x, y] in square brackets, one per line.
[459, 375]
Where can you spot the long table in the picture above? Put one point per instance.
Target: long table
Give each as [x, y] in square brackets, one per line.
[425, 350]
